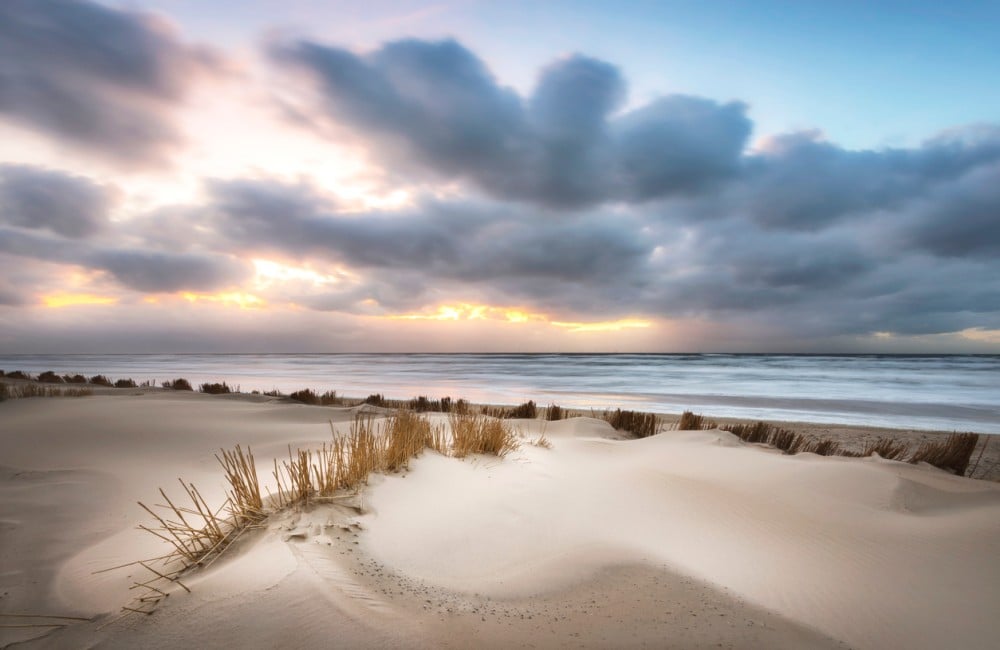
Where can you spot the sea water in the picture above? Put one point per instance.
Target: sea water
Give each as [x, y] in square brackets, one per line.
[959, 393]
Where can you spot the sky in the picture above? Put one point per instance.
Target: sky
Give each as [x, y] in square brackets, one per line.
[392, 176]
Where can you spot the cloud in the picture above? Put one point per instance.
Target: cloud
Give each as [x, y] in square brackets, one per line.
[961, 219]
[37, 198]
[436, 105]
[680, 145]
[139, 269]
[466, 243]
[800, 182]
[154, 271]
[97, 77]
[639, 262]
[10, 297]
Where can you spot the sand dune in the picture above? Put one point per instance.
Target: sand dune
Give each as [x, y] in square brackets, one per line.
[686, 539]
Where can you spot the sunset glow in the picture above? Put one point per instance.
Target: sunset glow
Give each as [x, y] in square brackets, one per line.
[478, 312]
[229, 298]
[76, 299]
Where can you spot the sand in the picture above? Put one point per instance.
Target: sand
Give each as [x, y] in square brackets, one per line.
[685, 540]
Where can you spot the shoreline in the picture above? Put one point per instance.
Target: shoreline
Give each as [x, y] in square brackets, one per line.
[946, 394]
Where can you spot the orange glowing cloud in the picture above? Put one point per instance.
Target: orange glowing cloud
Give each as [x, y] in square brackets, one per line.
[228, 298]
[58, 300]
[605, 326]
[473, 312]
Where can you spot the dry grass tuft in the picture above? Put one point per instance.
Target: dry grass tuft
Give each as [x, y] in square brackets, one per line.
[525, 411]
[555, 412]
[749, 432]
[639, 424]
[482, 434]
[101, 380]
[130, 383]
[887, 448]
[308, 396]
[215, 389]
[18, 391]
[49, 377]
[19, 374]
[787, 441]
[691, 422]
[438, 440]
[245, 503]
[177, 384]
[952, 454]
[74, 379]
[822, 447]
[408, 434]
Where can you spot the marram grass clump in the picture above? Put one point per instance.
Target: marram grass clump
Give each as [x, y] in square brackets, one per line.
[482, 434]
[639, 424]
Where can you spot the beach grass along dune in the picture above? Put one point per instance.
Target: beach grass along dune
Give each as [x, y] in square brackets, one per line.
[590, 538]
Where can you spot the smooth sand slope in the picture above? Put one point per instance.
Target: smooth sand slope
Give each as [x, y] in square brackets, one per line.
[685, 539]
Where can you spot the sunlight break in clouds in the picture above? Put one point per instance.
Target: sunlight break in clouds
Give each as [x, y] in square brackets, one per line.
[473, 312]
[59, 300]
[229, 298]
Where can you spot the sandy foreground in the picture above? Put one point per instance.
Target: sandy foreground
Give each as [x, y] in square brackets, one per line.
[682, 540]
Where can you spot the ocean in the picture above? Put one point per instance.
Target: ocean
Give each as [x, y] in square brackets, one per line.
[960, 393]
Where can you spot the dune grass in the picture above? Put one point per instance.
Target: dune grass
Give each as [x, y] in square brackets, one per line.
[481, 434]
[952, 454]
[887, 448]
[407, 435]
[787, 441]
[215, 389]
[526, 411]
[178, 384]
[20, 391]
[311, 397]
[555, 412]
[639, 424]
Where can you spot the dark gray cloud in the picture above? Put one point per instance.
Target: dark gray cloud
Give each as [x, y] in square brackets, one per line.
[94, 76]
[10, 297]
[36, 198]
[804, 183]
[465, 241]
[436, 105]
[293, 220]
[680, 145]
[147, 270]
[959, 220]
[155, 271]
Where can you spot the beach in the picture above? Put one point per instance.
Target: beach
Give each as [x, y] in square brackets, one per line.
[684, 539]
